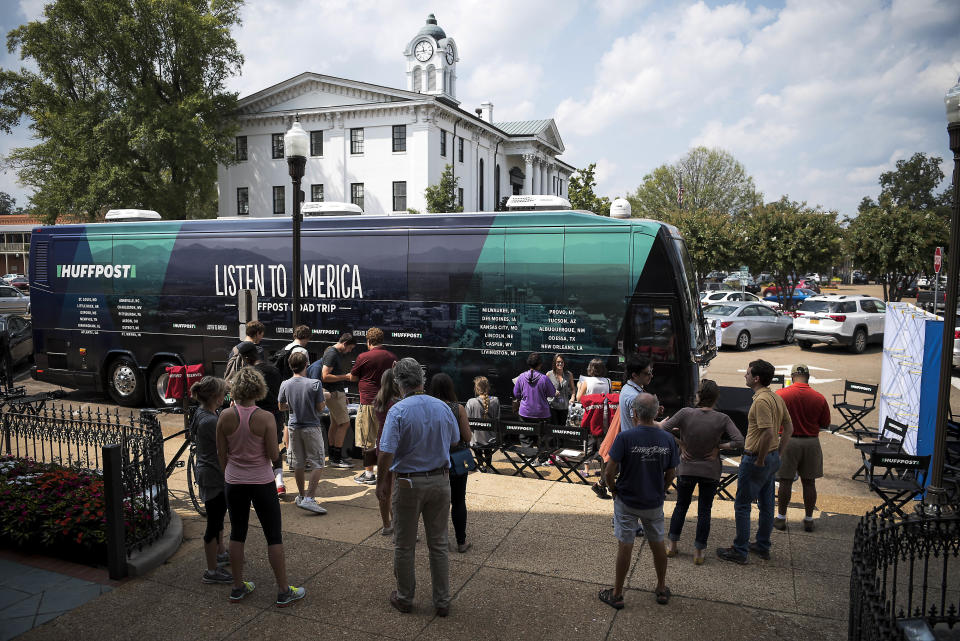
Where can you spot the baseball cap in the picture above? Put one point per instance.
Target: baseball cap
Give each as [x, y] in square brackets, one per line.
[803, 370]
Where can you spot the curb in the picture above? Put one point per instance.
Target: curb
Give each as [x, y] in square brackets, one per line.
[155, 555]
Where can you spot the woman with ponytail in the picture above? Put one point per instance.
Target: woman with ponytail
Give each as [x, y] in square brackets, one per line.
[483, 406]
[209, 392]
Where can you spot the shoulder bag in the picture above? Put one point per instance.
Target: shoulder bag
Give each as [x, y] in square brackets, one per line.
[461, 456]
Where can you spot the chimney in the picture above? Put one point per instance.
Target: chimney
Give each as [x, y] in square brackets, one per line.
[486, 111]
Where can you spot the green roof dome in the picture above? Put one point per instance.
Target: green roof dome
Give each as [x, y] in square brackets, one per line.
[432, 29]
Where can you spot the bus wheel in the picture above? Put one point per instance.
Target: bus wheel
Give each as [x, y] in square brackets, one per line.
[124, 382]
[743, 341]
[157, 386]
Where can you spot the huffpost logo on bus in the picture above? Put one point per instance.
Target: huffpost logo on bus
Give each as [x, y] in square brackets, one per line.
[96, 271]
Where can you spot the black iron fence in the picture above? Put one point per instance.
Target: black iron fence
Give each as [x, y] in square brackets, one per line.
[905, 575]
[76, 438]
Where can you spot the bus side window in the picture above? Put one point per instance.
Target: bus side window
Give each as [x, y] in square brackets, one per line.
[653, 332]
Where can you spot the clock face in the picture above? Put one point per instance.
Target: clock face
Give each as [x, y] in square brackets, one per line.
[423, 51]
[449, 54]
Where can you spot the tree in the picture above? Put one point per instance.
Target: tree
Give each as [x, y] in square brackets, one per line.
[581, 195]
[894, 243]
[913, 183]
[787, 239]
[713, 180]
[710, 239]
[128, 103]
[7, 203]
[442, 197]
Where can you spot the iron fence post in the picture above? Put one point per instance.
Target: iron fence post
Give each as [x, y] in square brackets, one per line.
[113, 495]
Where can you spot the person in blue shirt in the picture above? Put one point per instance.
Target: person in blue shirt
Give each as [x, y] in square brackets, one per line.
[642, 464]
[415, 448]
[639, 373]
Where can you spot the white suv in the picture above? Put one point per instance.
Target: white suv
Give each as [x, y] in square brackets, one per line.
[852, 320]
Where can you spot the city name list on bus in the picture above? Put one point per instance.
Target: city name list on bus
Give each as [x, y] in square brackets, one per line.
[318, 280]
[561, 331]
[500, 327]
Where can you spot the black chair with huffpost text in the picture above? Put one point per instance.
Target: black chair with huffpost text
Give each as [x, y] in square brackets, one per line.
[856, 401]
[569, 451]
[483, 451]
[896, 477]
[520, 456]
[889, 441]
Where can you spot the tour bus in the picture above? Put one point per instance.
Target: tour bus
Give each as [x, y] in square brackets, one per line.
[469, 294]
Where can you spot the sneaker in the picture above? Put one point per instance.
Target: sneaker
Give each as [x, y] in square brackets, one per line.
[779, 524]
[217, 576]
[763, 554]
[297, 501]
[600, 491]
[729, 554]
[310, 504]
[237, 594]
[342, 464]
[281, 491]
[292, 594]
[223, 559]
[363, 479]
[808, 525]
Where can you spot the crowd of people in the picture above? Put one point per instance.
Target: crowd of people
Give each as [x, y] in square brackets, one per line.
[407, 430]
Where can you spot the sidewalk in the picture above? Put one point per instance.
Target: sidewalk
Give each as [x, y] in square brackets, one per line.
[541, 551]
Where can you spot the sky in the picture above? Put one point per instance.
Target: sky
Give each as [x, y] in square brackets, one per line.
[815, 98]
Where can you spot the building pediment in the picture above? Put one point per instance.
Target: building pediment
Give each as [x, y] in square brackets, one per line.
[544, 131]
[313, 90]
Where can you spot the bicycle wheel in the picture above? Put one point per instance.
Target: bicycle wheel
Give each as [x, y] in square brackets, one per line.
[192, 485]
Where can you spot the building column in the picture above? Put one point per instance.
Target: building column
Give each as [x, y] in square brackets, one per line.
[528, 174]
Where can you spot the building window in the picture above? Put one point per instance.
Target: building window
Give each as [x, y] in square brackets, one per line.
[480, 190]
[431, 78]
[496, 186]
[443, 143]
[356, 193]
[399, 137]
[241, 148]
[316, 143]
[417, 81]
[356, 141]
[460, 149]
[277, 145]
[399, 195]
[316, 193]
[243, 201]
[279, 201]
[460, 197]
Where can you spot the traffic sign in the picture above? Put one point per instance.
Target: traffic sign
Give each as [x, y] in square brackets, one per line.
[937, 260]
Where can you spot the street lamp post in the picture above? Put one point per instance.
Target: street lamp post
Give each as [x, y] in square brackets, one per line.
[296, 144]
[936, 491]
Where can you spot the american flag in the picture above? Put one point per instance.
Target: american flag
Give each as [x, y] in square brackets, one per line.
[680, 193]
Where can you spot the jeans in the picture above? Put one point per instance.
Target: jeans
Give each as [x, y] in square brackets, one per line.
[429, 496]
[458, 506]
[755, 484]
[685, 486]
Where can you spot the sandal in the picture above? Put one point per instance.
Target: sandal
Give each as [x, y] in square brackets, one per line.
[607, 597]
[663, 597]
[671, 553]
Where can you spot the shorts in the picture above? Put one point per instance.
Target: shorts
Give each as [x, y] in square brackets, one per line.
[802, 456]
[367, 428]
[337, 404]
[627, 519]
[306, 450]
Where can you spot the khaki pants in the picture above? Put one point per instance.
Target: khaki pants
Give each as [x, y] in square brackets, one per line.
[429, 496]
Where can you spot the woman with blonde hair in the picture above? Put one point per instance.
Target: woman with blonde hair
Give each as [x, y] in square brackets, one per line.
[388, 395]
[483, 406]
[247, 445]
[210, 392]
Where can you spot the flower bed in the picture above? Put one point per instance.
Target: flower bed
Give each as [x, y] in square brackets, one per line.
[60, 511]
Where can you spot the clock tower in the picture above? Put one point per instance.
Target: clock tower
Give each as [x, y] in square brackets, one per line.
[432, 62]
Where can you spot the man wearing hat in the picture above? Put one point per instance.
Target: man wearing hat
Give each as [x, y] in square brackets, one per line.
[809, 413]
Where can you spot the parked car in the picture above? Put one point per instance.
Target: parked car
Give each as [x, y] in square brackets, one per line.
[21, 283]
[799, 295]
[813, 276]
[16, 343]
[859, 278]
[9, 276]
[803, 283]
[13, 301]
[715, 287]
[711, 298]
[956, 343]
[840, 319]
[742, 324]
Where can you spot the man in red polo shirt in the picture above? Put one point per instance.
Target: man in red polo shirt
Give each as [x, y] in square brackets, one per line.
[810, 413]
[368, 369]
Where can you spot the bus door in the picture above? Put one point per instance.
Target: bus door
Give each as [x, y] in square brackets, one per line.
[654, 329]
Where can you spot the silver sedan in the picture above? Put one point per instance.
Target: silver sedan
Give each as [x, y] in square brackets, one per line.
[742, 324]
[13, 301]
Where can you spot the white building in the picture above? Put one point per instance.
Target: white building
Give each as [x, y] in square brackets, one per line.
[381, 148]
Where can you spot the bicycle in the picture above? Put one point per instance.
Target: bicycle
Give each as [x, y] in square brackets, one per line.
[189, 443]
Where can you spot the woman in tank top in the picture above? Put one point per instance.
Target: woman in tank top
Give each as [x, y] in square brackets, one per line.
[595, 382]
[562, 381]
[483, 406]
[246, 446]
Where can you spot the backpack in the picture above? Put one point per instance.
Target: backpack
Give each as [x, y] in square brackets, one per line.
[280, 361]
[234, 363]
